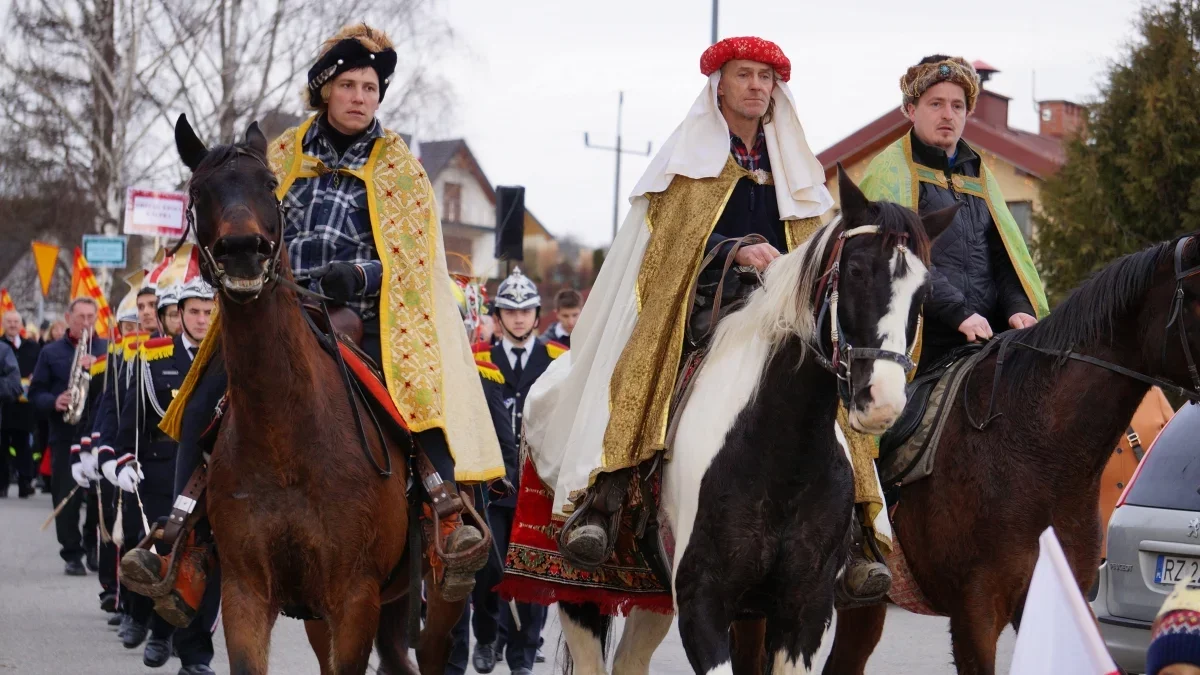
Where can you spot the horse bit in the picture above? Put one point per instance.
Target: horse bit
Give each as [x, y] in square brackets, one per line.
[843, 354]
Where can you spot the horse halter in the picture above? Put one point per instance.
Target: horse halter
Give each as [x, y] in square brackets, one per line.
[1176, 315]
[843, 354]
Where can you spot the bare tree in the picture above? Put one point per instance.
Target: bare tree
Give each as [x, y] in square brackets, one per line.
[233, 61]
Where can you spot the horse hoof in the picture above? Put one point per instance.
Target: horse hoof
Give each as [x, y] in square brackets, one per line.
[587, 547]
[141, 570]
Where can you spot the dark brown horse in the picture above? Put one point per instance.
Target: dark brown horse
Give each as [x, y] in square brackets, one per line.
[302, 520]
[970, 530]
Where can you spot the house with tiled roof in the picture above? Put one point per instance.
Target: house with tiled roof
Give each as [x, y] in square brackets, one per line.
[1021, 160]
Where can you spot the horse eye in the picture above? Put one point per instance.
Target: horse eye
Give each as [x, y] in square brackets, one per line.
[855, 272]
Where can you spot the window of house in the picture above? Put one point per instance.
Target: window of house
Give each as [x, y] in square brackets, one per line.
[1022, 212]
[452, 203]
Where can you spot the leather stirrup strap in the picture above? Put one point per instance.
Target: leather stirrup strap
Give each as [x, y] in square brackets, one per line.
[189, 502]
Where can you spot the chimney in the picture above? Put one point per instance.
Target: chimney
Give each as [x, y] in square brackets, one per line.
[991, 108]
[1061, 119]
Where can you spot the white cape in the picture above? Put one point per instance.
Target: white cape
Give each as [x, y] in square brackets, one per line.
[567, 410]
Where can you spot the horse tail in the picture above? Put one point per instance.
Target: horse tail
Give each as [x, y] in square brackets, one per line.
[391, 640]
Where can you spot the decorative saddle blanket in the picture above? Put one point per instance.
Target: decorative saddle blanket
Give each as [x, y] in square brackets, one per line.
[536, 572]
[908, 450]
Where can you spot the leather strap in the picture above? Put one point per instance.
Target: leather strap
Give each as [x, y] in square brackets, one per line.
[189, 503]
[1135, 443]
[445, 499]
[738, 243]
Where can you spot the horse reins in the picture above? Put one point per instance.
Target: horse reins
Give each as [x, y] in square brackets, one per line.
[843, 354]
[1061, 356]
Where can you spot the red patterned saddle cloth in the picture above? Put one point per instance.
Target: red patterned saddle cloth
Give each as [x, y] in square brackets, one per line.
[905, 592]
[372, 383]
[536, 572]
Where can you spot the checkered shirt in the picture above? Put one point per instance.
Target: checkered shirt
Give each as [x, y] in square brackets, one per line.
[326, 217]
[749, 159]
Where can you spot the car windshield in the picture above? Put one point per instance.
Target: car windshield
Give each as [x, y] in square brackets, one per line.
[1170, 476]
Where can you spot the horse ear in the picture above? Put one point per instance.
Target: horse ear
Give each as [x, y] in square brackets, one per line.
[853, 200]
[939, 221]
[191, 149]
[255, 138]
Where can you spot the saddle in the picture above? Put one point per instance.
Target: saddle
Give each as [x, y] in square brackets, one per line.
[908, 449]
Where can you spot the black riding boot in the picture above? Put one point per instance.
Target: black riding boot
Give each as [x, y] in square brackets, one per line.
[589, 535]
[866, 579]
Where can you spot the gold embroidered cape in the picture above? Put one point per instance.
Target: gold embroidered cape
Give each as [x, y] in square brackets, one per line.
[680, 220]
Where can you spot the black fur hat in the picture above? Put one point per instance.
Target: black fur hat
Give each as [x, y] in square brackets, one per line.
[349, 54]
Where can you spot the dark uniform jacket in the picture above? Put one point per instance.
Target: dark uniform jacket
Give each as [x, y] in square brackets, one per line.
[506, 396]
[10, 378]
[108, 413]
[167, 363]
[20, 415]
[51, 376]
[971, 271]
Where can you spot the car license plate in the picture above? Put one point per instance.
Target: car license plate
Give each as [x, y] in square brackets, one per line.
[1171, 570]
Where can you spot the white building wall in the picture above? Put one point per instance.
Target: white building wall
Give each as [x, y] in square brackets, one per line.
[477, 208]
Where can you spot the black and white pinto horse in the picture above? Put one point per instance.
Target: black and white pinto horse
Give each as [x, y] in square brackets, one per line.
[759, 490]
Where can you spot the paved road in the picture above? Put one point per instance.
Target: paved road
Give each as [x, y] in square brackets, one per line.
[51, 624]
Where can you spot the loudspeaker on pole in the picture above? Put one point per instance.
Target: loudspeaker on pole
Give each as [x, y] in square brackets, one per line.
[510, 222]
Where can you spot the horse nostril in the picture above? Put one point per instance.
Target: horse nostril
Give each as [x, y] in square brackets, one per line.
[240, 245]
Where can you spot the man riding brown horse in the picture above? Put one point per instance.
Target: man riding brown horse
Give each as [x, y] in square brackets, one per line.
[335, 215]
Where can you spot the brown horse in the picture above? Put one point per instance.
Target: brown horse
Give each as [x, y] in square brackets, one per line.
[303, 522]
[970, 530]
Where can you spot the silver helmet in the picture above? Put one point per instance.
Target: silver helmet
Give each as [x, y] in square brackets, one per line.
[517, 292]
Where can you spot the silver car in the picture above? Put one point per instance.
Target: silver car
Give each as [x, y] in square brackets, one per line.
[1153, 540]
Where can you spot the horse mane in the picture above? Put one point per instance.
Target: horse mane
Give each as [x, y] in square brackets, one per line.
[783, 307]
[1092, 310]
[1089, 314]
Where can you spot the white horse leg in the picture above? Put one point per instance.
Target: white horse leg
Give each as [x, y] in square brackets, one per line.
[644, 632]
[584, 646]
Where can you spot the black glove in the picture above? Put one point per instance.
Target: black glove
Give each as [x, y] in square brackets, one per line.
[341, 281]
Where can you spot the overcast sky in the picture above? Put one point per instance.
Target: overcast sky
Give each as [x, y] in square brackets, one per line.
[533, 76]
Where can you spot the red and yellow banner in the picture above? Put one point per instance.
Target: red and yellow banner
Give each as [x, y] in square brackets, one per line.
[6, 302]
[84, 285]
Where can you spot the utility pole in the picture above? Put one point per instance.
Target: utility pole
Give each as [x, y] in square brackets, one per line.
[618, 150]
[714, 23]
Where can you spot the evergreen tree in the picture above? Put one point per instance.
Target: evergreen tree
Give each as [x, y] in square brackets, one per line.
[1133, 177]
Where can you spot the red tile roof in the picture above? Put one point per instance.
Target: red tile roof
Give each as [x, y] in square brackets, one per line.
[1040, 156]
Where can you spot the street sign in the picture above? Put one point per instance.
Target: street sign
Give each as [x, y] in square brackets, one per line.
[154, 213]
[102, 251]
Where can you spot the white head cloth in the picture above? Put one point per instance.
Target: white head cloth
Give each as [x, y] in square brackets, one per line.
[699, 148]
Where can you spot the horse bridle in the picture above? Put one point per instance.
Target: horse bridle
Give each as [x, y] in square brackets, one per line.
[212, 270]
[843, 354]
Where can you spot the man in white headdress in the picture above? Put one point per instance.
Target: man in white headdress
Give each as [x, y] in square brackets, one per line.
[738, 165]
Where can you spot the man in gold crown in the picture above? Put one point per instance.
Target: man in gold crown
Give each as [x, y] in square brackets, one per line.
[360, 230]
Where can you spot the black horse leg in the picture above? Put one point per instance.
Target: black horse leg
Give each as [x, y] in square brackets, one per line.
[704, 621]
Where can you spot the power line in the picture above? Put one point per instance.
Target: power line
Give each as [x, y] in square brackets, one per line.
[618, 150]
